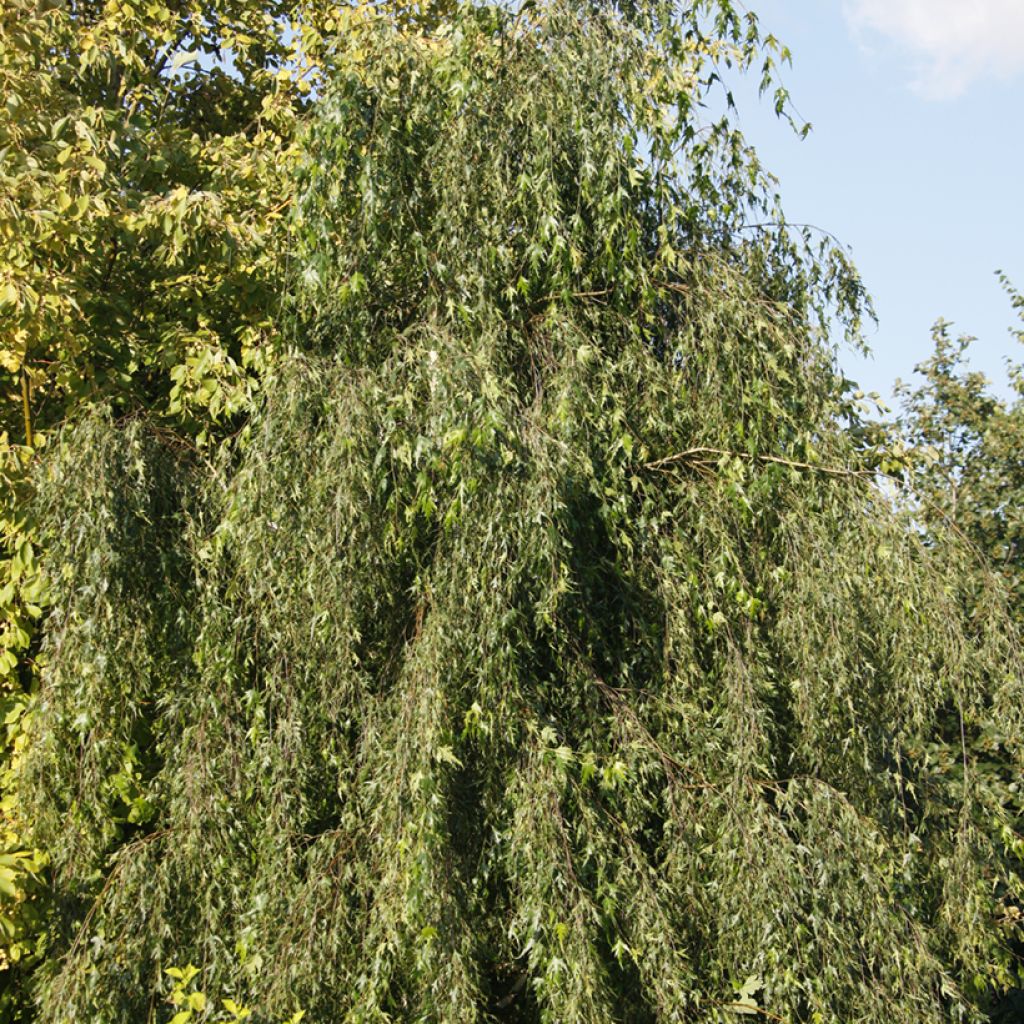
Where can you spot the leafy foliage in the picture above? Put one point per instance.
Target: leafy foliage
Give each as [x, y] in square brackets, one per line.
[967, 443]
[963, 445]
[543, 649]
[193, 1005]
[24, 595]
[143, 186]
[144, 181]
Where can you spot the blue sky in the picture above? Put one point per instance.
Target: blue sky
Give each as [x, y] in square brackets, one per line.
[915, 162]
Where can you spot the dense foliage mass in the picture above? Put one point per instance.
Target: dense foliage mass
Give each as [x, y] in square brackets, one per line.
[145, 178]
[542, 648]
[966, 443]
[962, 448]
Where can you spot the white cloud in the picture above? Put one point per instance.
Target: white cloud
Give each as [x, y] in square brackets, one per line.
[953, 42]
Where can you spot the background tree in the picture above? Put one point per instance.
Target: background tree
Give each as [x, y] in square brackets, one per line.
[146, 153]
[963, 447]
[967, 442]
[542, 649]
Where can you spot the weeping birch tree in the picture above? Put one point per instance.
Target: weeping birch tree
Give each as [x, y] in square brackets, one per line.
[543, 649]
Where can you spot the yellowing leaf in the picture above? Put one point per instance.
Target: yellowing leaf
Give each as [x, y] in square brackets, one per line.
[10, 360]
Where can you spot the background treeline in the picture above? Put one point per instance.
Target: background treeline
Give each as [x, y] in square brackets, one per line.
[221, 280]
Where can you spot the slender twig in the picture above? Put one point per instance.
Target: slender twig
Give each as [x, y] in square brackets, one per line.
[693, 455]
[280, 206]
[26, 406]
[130, 848]
[791, 224]
[749, 1008]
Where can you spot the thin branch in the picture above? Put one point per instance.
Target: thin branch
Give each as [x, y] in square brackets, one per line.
[26, 407]
[694, 455]
[130, 848]
[792, 224]
[748, 1008]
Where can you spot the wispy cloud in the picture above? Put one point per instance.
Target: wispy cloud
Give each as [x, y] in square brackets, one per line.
[952, 42]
